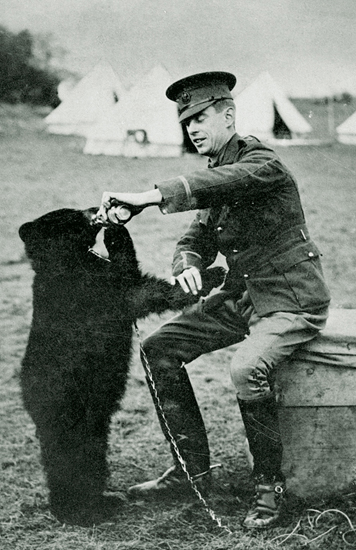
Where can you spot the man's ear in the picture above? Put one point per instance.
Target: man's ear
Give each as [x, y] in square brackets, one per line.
[229, 116]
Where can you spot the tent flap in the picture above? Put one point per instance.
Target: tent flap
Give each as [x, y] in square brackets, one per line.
[263, 110]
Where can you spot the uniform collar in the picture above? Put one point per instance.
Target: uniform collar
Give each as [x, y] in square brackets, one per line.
[227, 154]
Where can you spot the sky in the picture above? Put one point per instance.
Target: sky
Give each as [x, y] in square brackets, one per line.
[308, 46]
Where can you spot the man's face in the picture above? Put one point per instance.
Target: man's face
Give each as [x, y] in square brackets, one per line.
[208, 131]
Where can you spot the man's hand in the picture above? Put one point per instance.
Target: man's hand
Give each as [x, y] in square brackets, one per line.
[190, 280]
[110, 199]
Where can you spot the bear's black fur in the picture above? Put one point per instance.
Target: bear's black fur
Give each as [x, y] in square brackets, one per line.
[76, 363]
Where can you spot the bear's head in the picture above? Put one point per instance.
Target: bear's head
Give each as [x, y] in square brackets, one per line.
[67, 238]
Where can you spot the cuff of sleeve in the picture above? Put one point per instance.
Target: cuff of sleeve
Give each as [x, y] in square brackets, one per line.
[185, 261]
[177, 196]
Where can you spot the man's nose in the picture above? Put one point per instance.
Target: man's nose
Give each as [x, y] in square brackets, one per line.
[190, 126]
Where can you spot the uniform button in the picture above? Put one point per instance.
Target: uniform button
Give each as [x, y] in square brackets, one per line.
[310, 254]
[219, 228]
[246, 276]
[164, 211]
[235, 250]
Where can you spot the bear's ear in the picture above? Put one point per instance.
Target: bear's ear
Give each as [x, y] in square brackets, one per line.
[52, 225]
[32, 232]
[26, 231]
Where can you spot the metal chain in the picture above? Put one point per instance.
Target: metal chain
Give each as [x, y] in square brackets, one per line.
[181, 460]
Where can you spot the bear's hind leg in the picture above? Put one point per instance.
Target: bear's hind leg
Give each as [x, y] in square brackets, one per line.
[76, 470]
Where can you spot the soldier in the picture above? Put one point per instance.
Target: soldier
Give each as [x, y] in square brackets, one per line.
[273, 300]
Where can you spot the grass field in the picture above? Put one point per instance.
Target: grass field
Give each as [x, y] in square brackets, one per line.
[42, 172]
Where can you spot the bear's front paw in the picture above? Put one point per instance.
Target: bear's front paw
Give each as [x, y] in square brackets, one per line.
[213, 278]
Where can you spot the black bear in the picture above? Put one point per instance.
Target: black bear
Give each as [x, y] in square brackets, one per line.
[77, 358]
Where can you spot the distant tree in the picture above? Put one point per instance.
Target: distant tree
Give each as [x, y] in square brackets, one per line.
[320, 100]
[23, 79]
[344, 98]
[47, 54]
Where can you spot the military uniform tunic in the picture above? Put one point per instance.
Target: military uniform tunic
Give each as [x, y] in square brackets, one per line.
[274, 297]
[249, 211]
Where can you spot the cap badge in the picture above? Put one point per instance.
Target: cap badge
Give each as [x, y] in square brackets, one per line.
[185, 98]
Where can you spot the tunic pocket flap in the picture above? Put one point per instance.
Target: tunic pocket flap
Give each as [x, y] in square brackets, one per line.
[303, 252]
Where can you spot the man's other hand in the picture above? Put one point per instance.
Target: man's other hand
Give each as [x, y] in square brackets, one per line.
[190, 280]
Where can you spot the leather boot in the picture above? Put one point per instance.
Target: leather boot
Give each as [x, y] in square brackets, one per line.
[178, 403]
[173, 483]
[262, 430]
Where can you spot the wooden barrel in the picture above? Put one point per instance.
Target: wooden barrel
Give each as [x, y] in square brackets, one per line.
[316, 392]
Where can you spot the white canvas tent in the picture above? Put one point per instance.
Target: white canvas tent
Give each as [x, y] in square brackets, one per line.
[263, 110]
[143, 124]
[346, 132]
[65, 87]
[95, 94]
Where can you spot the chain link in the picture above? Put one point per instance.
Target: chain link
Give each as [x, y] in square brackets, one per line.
[181, 460]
